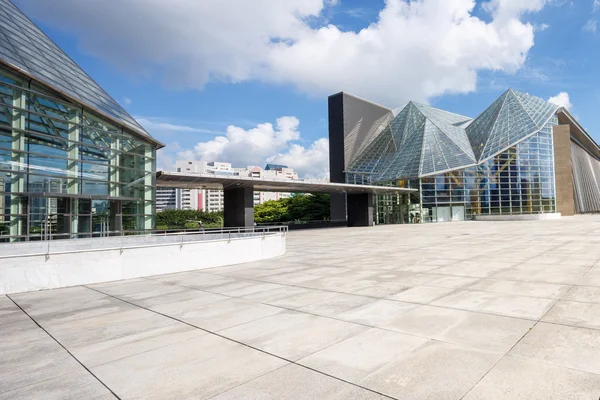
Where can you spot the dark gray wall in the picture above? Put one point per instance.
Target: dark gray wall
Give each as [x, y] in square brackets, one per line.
[238, 210]
[336, 155]
[353, 124]
[360, 209]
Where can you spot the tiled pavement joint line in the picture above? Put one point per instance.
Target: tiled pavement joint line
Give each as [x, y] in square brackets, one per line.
[205, 290]
[67, 350]
[530, 329]
[242, 344]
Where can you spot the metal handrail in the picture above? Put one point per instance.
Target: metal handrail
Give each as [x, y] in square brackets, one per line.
[246, 232]
[155, 232]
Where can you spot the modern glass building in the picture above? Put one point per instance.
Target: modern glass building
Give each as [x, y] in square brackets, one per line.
[521, 156]
[73, 162]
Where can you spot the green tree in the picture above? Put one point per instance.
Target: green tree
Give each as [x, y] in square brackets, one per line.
[180, 219]
[300, 207]
[271, 211]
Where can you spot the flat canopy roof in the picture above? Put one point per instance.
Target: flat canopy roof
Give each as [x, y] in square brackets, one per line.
[209, 181]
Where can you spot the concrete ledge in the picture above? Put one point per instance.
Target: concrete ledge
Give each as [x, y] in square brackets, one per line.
[56, 270]
[522, 217]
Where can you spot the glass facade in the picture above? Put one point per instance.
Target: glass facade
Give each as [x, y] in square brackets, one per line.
[66, 172]
[497, 164]
[519, 180]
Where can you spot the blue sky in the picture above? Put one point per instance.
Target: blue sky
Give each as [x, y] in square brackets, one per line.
[247, 82]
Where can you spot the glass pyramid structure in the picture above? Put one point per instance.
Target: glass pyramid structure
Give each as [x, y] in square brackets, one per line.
[421, 140]
[25, 47]
[512, 118]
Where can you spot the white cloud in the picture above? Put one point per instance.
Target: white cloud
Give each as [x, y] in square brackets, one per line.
[265, 143]
[312, 162]
[414, 50]
[540, 28]
[590, 26]
[127, 101]
[562, 99]
[596, 5]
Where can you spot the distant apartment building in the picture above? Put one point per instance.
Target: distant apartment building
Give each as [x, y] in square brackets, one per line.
[213, 200]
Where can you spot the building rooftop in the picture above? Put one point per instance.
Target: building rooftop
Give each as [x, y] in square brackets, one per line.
[474, 310]
[26, 48]
[417, 140]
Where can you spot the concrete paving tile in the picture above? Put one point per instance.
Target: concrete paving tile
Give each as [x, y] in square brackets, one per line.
[433, 371]
[337, 305]
[224, 314]
[592, 278]
[32, 361]
[356, 357]
[239, 289]
[75, 334]
[573, 313]
[558, 277]
[131, 287]
[64, 300]
[196, 280]
[376, 312]
[482, 331]
[422, 294]
[439, 280]
[382, 289]
[293, 278]
[586, 294]
[198, 368]
[565, 346]
[496, 303]
[476, 271]
[92, 319]
[292, 335]
[519, 288]
[135, 296]
[346, 284]
[517, 379]
[290, 383]
[72, 386]
[291, 296]
[194, 298]
[118, 341]
[182, 294]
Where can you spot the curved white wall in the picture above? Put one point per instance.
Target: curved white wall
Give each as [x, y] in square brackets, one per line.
[55, 270]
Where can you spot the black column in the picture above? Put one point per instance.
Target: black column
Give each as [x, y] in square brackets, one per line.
[360, 209]
[336, 154]
[238, 207]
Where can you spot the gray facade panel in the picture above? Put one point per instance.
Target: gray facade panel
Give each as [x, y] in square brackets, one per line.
[586, 180]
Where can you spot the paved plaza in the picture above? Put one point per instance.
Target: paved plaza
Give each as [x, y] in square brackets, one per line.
[470, 310]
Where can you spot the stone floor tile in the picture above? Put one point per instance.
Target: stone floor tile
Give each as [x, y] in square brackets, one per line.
[433, 371]
[496, 303]
[573, 313]
[356, 357]
[565, 346]
[293, 335]
[198, 368]
[518, 379]
[482, 331]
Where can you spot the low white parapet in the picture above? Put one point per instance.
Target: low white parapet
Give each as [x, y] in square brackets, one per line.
[60, 267]
[519, 217]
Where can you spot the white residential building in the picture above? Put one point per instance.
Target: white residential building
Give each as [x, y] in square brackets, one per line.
[213, 200]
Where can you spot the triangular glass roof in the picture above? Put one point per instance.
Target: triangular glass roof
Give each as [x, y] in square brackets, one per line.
[24, 46]
[480, 129]
[421, 140]
[512, 118]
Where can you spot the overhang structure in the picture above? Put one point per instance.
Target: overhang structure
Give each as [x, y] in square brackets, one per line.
[238, 193]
